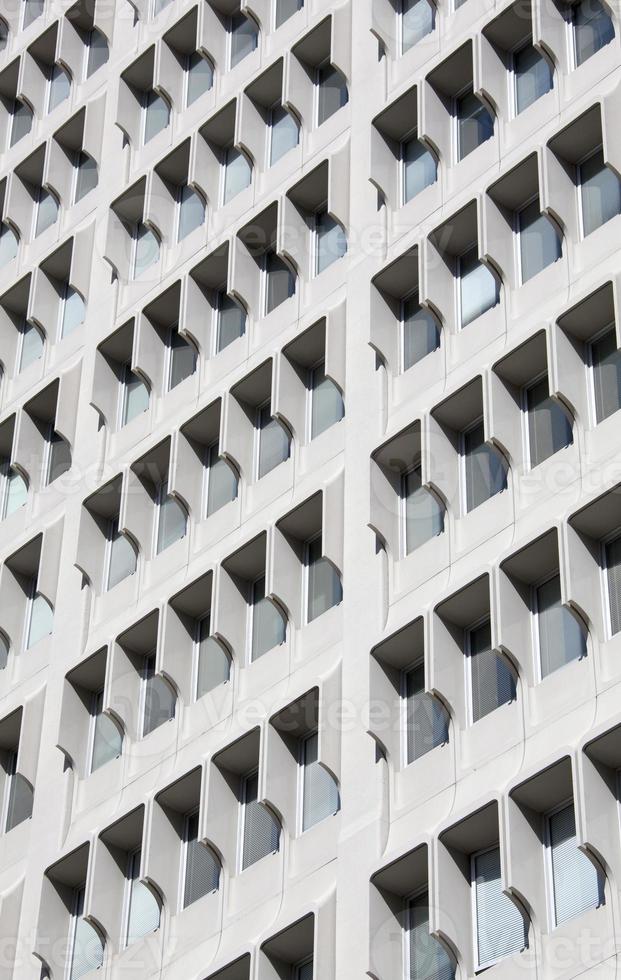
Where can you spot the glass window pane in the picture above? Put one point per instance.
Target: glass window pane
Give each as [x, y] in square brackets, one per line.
[606, 359]
[191, 211]
[214, 663]
[274, 442]
[172, 520]
[32, 10]
[561, 638]
[475, 124]
[600, 191]
[327, 406]
[501, 927]
[286, 9]
[426, 719]
[59, 458]
[4, 651]
[478, 287]
[320, 795]
[577, 883]
[47, 211]
[87, 176]
[147, 249]
[20, 799]
[156, 115]
[268, 623]
[419, 166]
[285, 133]
[261, 831]
[549, 428]
[202, 871]
[231, 321]
[107, 737]
[182, 359]
[331, 241]
[88, 948]
[41, 621]
[73, 312]
[486, 471]
[428, 959]
[332, 92]
[221, 481]
[31, 346]
[200, 76]
[135, 396]
[593, 29]
[418, 18]
[4, 35]
[144, 908]
[613, 575]
[280, 281]
[244, 37]
[59, 87]
[21, 122]
[237, 174]
[8, 244]
[324, 582]
[424, 515]
[492, 681]
[533, 76]
[16, 492]
[540, 243]
[421, 334]
[159, 698]
[97, 52]
[122, 562]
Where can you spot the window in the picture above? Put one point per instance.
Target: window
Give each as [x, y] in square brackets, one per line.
[21, 121]
[39, 618]
[426, 957]
[540, 241]
[171, 519]
[97, 52]
[320, 795]
[32, 9]
[14, 490]
[418, 164]
[191, 212]
[30, 345]
[221, 480]
[549, 428]
[121, 556]
[286, 9]
[423, 516]
[426, 722]
[58, 87]
[304, 971]
[420, 331]
[181, 359]
[532, 75]
[72, 311]
[273, 441]
[475, 124]
[323, 583]
[332, 92]
[485, 471]
[279, 281]
[576, 884]
[260, 832]
[418, 18]
[146, 250]
[201, 873]
[478, 287]
[561, 638]
[231, 323]
[106, 737]
[134, 395]
[86, 948]
[326, 401]
[592, 29]
[605, 359]
[4, 35]
[4, 651]
[156, 113]
[213, 662]
[284, 133]
[612, 564]
[269, 627]
[199, 72]
[46, 211]
[237, 174]
[86, 176]
[244, 38]
[158, 699]
[499, 924]
[600, 192]
[9, 243]
[142, 914]
[58, 456]
[330, 241]
[491, 680]
[18, 796]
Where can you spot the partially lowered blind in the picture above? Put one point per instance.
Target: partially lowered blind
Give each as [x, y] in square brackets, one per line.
[501, 928]
[428, 959]
[492, 681]
[613, 571]
[320, 792]
[426, 719]
[261, 831]
[202, 871]
[577, 883]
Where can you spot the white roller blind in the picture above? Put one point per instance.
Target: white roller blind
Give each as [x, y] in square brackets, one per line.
[576, 882]
[143, 915]
[613, 573]
[202, 871]
[428, 959]
[320, 792]
[491, 680]
[426, 720]
[501, 928]
[260, 829]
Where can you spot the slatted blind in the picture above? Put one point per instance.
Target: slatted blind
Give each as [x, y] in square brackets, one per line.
[320, 792]
[202, 870]
[261, 830]
[548, 426]
[143, 914]
[426, 719]
[491, 679]
[428, 959]
[561, 638]
[577, 883]
[87, 951]
[501, 928]
[613, 571]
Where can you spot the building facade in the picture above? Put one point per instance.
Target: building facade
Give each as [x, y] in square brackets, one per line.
[310, 537]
